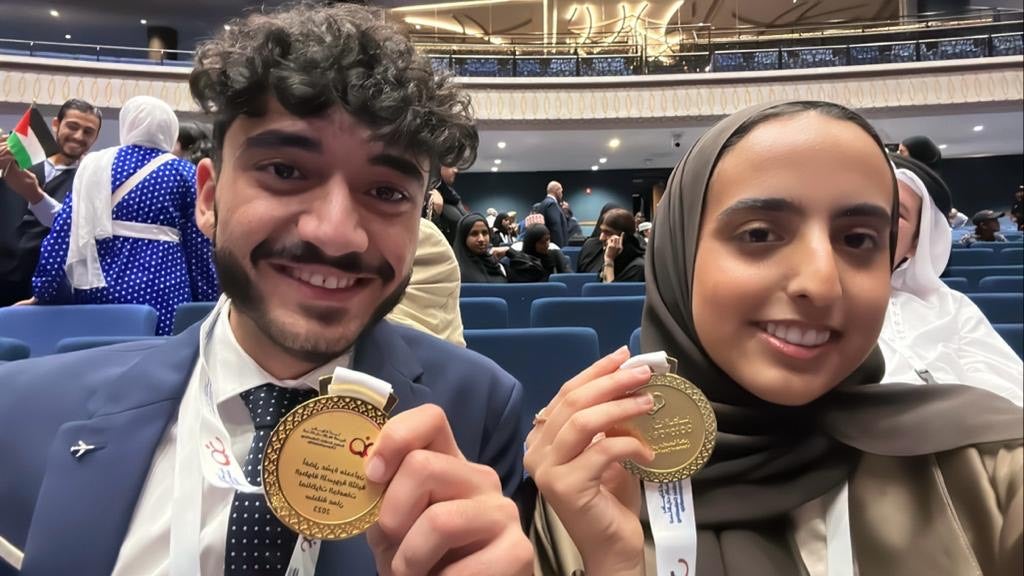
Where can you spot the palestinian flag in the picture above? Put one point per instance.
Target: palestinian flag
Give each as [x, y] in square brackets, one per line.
[31, 141]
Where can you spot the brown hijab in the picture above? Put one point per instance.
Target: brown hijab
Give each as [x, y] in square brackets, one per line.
[771, 459]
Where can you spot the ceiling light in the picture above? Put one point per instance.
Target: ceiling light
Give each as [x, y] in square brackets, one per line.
[418, 27]
[143, 21]
[494, 168]
[979, 128]
[54, 13]
[614, 143]
[227, 27]
[497, 160]
[943, 146]
[502, 145]
[67, 36]
[594, 167]
[602, 160]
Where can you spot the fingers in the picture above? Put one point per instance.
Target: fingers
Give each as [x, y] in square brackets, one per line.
[512, 554]
[422, 428]
[593, 464]
[454, 529]
[426, 478]
[598, 391]
[579, 431]
[602, 367]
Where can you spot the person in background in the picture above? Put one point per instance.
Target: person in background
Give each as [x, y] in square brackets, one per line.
[957, 219]
[922, 149]
[194, 142]
[986, 228]
[446, 214]
[591, 257]
[538, 260]
[623, 254]
[639, 219]
[127, 234]
[769, 285]
[431, 300]
[503, 233]
[492, 214]
[478, 260]
[643, 233]
[30, 199]
[1017, 211]
[554, 218]
[574, 232]
[933, 334]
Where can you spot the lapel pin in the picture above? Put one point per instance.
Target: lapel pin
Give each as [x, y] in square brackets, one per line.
[80, 449]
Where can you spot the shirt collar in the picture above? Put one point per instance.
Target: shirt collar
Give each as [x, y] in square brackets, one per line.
[233, 371]
[61, 167]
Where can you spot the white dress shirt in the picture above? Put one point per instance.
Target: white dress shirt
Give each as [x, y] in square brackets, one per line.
[46, 209]
[146, 547]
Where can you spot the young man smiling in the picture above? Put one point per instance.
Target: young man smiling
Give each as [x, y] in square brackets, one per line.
[327, 125]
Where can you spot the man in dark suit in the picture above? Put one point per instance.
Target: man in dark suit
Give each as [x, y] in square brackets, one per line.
[30, 198]
[551, 208]
[313, 195]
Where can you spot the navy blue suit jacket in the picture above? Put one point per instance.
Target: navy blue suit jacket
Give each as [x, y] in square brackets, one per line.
[555, 221]
[70, 516]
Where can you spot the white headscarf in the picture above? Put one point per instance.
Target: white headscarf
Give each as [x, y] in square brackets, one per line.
[933, 333]
[920, 274]
[144, 121]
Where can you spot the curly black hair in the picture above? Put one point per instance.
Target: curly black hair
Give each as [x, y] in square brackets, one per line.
[313, 57]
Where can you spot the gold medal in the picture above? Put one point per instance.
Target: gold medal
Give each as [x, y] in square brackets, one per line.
[680, 429]
[313, 463]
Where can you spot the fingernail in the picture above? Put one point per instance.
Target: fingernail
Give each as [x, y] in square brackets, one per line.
[642, 370]
[621, 350]
[375, 469]
[645, 400]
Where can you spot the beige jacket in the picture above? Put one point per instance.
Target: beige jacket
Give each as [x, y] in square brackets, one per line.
[431, 302]
[958, 513]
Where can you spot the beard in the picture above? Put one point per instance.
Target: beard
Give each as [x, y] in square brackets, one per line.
[247, 298]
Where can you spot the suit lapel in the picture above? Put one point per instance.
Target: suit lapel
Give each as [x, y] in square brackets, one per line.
[85, 505]
[60, 185]
[382, 353]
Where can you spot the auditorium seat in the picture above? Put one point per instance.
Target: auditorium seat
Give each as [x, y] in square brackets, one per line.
[600, 289]
[1001, 308]
[13, 349]
[634, 343]
[42, 327]
[1010, 257]
[973, 257]
[479, 313]
[574, 281]
[573, 252]
[614, 318]
[999, 284]
[542, 359]
[189, 313]
[87, 342]
[958, 284]
[518, 296]
[1014, 336]
[974, 274]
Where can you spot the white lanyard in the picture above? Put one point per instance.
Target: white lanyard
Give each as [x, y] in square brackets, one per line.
[206, 439]
[670, 504]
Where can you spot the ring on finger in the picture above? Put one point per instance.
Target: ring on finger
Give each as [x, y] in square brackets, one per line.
[539, 417]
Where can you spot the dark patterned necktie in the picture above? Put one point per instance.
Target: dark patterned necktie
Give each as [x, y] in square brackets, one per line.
[258, 544]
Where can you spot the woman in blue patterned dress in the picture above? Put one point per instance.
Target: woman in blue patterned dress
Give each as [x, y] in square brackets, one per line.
[127, 234]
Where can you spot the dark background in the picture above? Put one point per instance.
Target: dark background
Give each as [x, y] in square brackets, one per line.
[977, 184]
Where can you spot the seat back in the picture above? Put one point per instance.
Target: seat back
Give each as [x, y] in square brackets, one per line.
[87, 342]
[993, 284]
[613, 318]
[42, 327]
[190, 313]
[13, 349]
[601, 289]
[485, 312]
[519, 297]
[574, 281]
[958, 284]
[542, 359]
[573, 252]
[974, 274]
[1011, 257]
[973, 257]
[1000, 308]
[1014, 336]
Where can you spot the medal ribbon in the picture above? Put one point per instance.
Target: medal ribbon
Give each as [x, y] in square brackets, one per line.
[670, 504]
[207, 439]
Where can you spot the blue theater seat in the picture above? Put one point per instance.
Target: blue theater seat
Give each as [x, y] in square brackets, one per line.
[518, 296]
[573, 252]
[42, 327]
[87, 342]
[600, 289]
[12, 349]
[974, 274]
[189, 313]
[613, 318]
[958, 284]
[574, 281]
[542, 359]
[1011, 257]
[1014, 336]
[996, 284]
[973, 257]
[634, 342]
[1001, 308]
[479, 313]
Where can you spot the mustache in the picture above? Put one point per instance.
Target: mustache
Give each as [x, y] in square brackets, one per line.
[306, 253]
